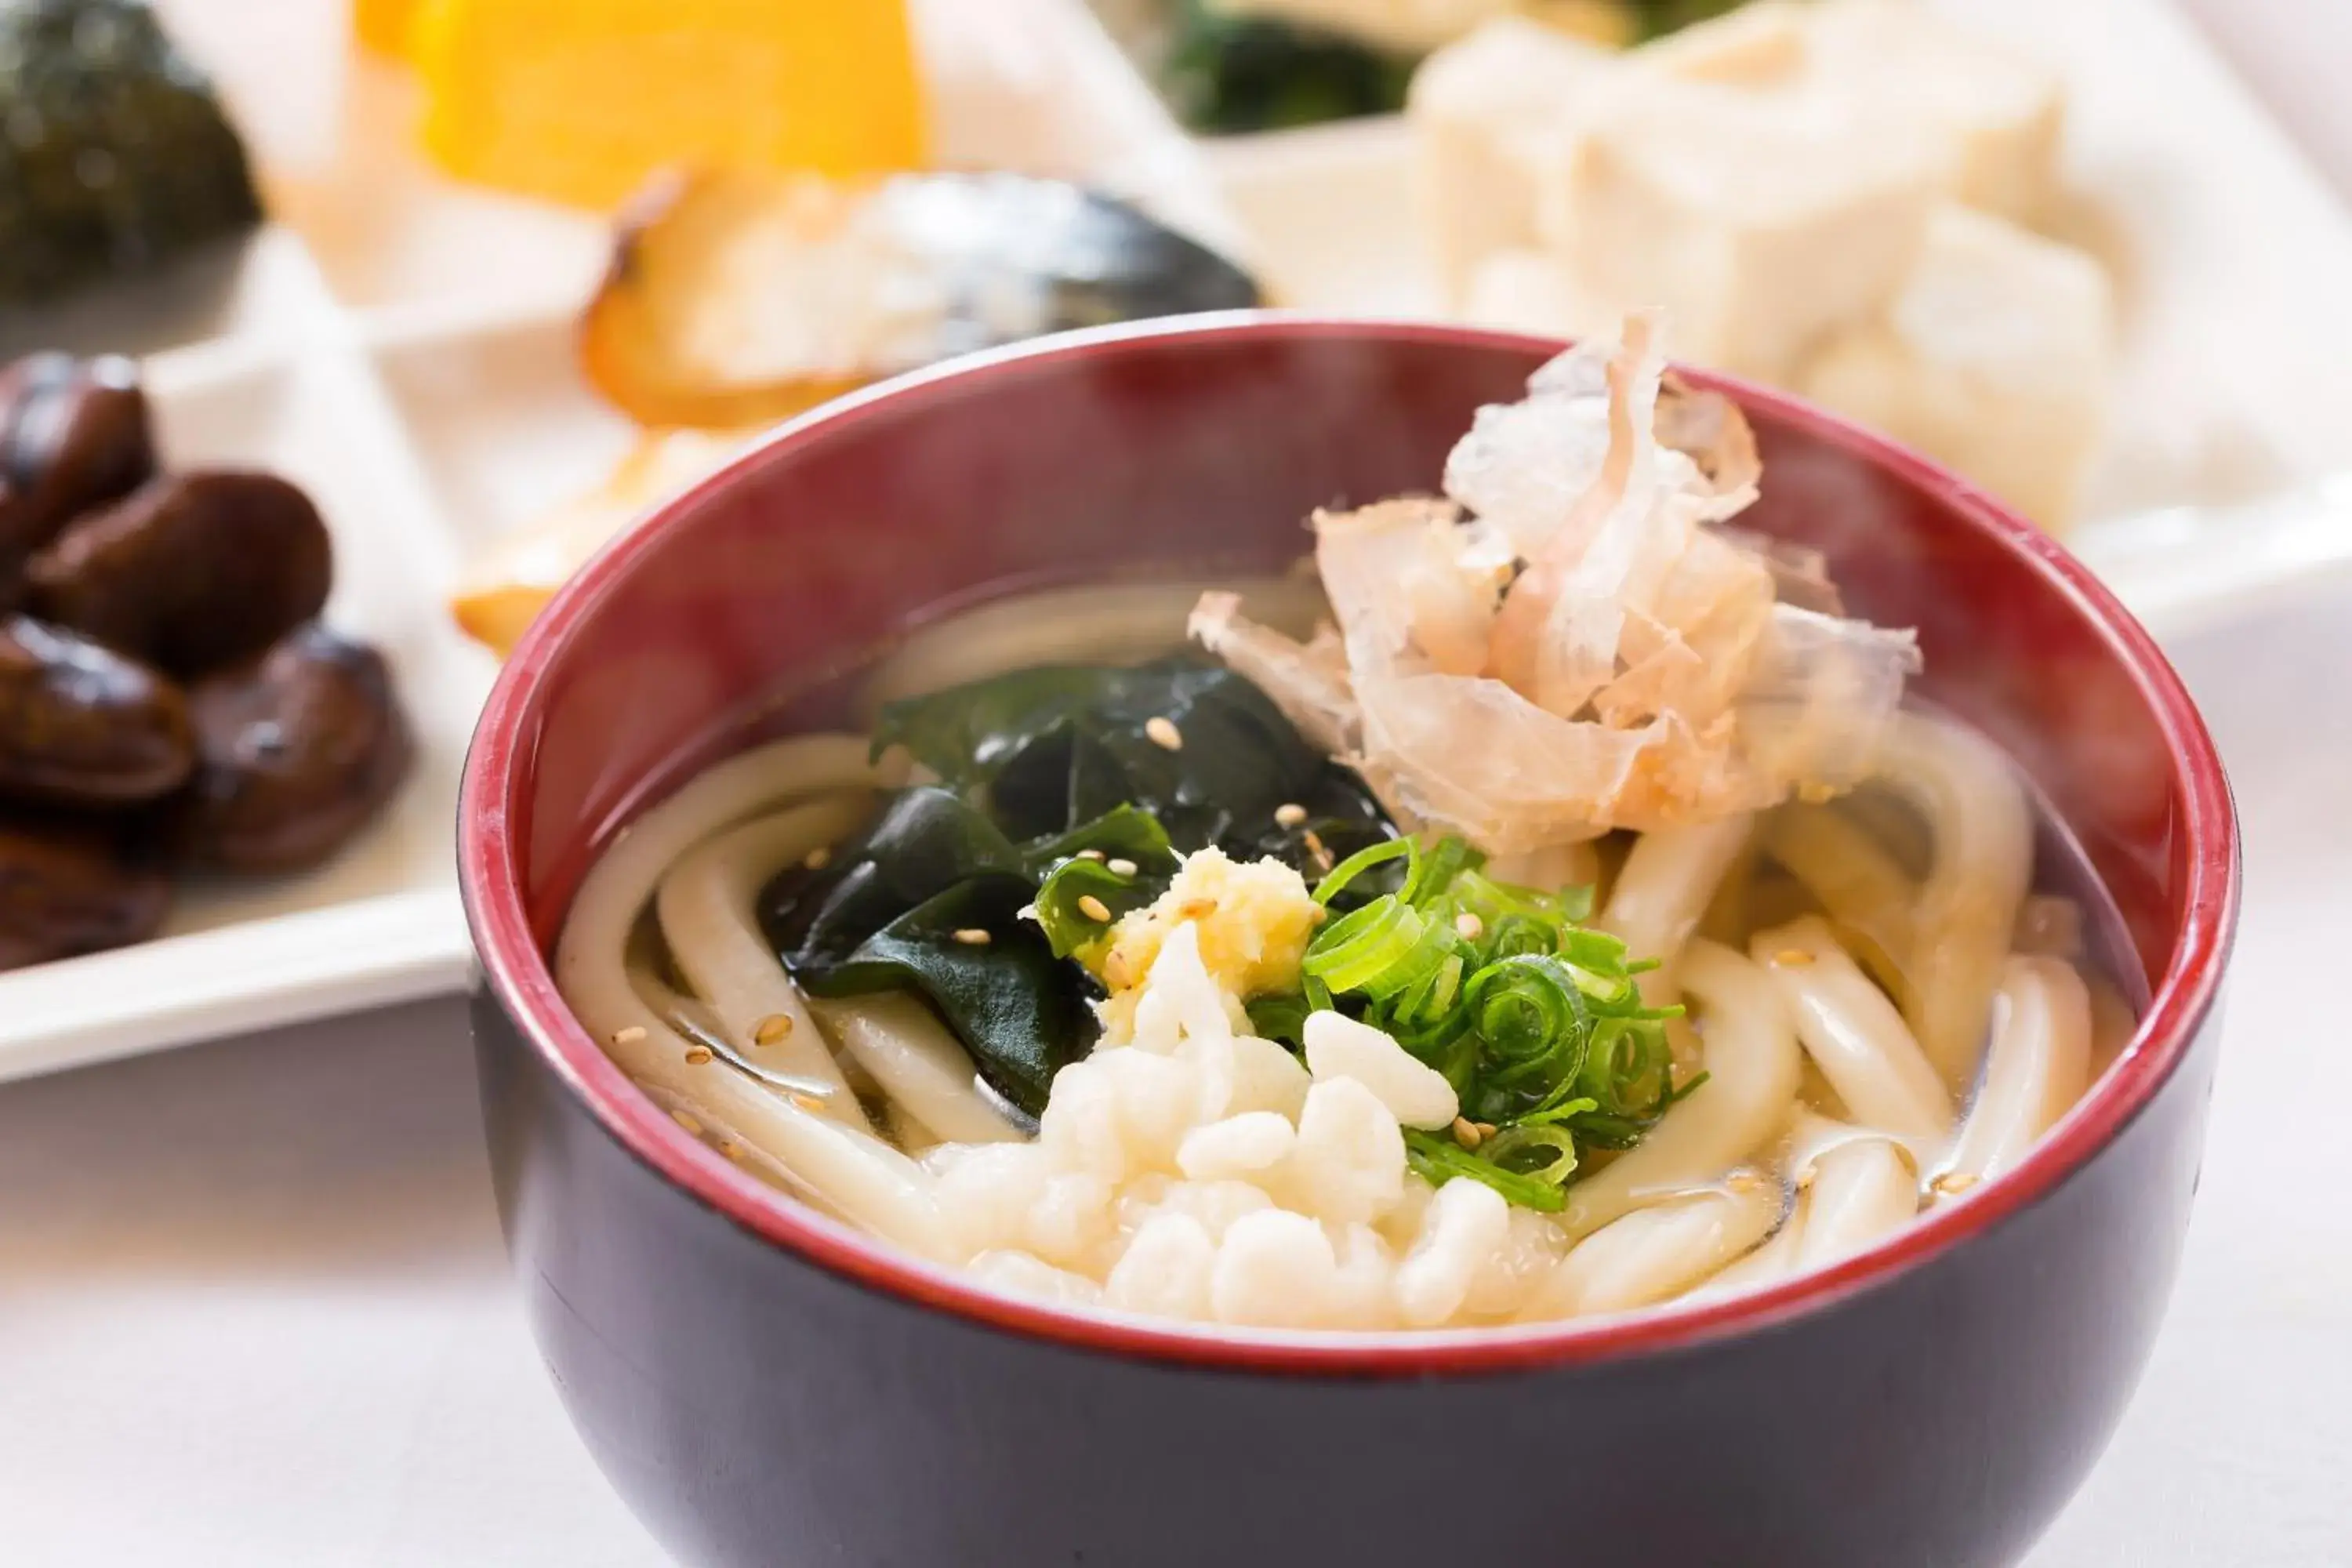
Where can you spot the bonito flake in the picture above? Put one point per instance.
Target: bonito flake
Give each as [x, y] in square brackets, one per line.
[1569, 641]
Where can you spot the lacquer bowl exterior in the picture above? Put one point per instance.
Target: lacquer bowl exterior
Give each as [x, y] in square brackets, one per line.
[766, 1387]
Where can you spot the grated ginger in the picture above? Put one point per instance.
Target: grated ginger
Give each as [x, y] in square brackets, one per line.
[1253, 918]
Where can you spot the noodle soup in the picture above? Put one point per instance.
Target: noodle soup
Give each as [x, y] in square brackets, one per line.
[1549, 908]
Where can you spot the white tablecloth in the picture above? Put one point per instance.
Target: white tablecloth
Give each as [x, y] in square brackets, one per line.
[254, 1311]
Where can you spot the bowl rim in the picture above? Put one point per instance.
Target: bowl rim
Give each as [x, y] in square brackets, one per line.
[519, 975]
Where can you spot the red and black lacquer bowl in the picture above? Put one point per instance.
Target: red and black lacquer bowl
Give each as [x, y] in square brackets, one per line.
[765, 1386]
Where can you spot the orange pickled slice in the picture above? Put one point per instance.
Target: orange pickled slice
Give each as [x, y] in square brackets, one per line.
[579, 101]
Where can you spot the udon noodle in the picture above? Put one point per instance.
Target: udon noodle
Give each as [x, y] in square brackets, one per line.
[868, 1108]
[1865, 1009]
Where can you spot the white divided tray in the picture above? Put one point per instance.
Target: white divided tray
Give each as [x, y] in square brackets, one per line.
[403, 347]
[403, 350]
[304, 398]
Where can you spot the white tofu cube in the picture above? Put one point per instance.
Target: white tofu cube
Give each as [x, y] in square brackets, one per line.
[1994, 359]
[1997, 117]
[2000, 114]
[1760, 221]
[1483, 112]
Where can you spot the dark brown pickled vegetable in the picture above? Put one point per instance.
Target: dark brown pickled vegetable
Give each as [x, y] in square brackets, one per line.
[191, 573]
[68, 887]
[74, 434]
[299, 749]
[82, 725]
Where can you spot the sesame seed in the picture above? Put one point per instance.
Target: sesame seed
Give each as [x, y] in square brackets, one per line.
[771, 1029]
[1121, 868]
[688, 1123]
[1743, 1182]
[731, 1149]
[973, 936]
[697, 1055]
[630, 1036]
[1315, 846]
[1951, 1184]
[1196, 908]
[1792, 958]
[1117, 973]
[1162, 732]
[1090, 854]
[1466, 1133]
[1471, 927]
[1289, 814]
[809, 1103]
[818, 858]
[1094, 908]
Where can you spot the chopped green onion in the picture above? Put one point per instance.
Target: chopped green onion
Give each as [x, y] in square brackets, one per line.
[1534, 1019]
[1440, 991]
[1515, 935]
[1361, 861]
[1589, 948]
[1558, 1107]
[1529, 1010]
[1544, 1152]
[1455, 1060]
[1436, 871]
[1609, 990]
[1438, 1160]
[1363, 945]
[1630, 1070]
[1425, 961]
[1491, 900]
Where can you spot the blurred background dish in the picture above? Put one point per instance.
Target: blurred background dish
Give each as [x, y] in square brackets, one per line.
[1836, 197]
[121, 179]
[1265, 65]
[168, 701]
[118, 159]
[2157, 271]
[399, 344]
[738, 297]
